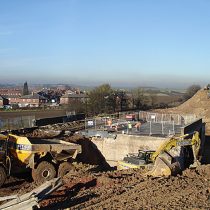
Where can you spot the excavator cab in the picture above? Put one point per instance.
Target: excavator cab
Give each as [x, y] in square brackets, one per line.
[145, 156]
[136, 160]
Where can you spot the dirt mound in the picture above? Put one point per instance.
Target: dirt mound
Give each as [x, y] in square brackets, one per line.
[52, 131]
[45, 134]
[68, 126]
[130, 190]
[90, 153]
[201, 171]
[199, 105]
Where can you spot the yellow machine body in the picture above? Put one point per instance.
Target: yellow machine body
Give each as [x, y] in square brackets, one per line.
[162, 163]
[20, 148]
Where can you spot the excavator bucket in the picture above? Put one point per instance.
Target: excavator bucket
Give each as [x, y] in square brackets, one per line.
[163, 166]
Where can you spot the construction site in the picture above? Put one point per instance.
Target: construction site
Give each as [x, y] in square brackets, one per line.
[159, 159]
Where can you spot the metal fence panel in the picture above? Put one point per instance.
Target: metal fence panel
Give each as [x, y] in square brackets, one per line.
[177, 119]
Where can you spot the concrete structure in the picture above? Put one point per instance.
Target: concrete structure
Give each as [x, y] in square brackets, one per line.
[116, 149]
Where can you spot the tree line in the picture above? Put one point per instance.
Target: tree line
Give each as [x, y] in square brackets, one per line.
[105, 99]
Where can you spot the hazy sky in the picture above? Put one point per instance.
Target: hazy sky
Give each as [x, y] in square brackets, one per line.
[163, 43]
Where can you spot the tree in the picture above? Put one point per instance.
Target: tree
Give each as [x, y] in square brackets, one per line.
[191, 91]
[121, 100]
[77, 105]
[140, 99]
[25, 89]
[100, 98]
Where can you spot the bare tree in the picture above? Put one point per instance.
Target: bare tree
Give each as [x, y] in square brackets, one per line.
[140, 99]
[191, 91]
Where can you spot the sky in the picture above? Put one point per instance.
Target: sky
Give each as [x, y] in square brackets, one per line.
[132, 43]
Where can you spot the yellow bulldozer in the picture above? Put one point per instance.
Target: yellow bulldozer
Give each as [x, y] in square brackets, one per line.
[161, 162]
[45, 158]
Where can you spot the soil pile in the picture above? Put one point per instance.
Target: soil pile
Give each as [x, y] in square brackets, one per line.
[199, 105]
[68, 126]
[41, 133]
[130, 190]
[90, 153]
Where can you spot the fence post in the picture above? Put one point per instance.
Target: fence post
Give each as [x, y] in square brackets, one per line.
[162, 128]
[95, 123]
[8, 126]
[150, 125]
[173, 128]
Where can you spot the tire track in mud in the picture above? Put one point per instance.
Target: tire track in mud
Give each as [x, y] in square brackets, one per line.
[130, 190]
[156, 194]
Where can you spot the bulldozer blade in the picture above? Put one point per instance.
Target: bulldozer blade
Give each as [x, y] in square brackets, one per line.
[164, 167]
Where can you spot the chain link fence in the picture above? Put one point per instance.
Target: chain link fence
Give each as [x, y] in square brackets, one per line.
[176, 119]
[101, 122]
[151, 123]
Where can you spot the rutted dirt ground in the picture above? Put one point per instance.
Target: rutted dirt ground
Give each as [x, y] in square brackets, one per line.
[87, 188]
[91, 187]
[130, 190]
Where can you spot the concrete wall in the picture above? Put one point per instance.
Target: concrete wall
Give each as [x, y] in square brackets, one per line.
[116, 149]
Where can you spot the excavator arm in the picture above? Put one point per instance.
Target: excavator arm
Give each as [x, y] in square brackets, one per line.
[164, 164]
[178, 141]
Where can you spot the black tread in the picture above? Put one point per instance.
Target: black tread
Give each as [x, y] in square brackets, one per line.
[37, 172]
[3, 175]
[65, 168]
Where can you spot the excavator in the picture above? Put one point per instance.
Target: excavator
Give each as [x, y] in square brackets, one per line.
[162, 162]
